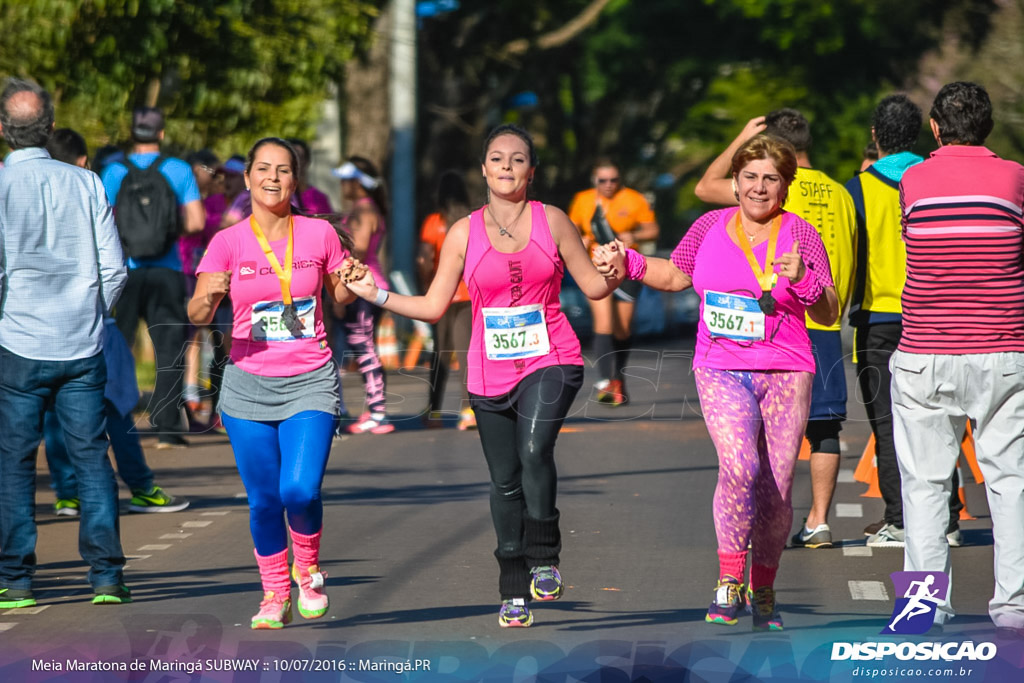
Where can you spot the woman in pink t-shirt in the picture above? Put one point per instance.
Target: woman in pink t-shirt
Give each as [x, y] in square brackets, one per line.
[757, 269]
[524, 361]
[280, 394]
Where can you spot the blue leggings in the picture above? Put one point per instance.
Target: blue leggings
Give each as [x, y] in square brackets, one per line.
[282, 466]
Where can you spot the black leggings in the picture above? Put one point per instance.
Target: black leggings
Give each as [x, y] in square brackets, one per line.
[519, 446]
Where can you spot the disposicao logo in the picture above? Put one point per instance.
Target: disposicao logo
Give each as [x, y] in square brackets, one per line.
[922, 593]
[914, 614]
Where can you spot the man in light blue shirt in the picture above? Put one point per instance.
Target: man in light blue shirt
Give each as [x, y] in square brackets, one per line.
[156, 286]
[61, 271]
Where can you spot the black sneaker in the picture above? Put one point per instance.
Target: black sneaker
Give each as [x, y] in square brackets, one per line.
[11, 598]
[112, 595]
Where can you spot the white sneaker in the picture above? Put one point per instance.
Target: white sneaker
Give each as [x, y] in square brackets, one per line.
[888, 536]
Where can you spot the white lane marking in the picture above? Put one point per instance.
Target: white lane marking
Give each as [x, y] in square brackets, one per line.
[857, 551]
[8, 625]
[868, 590]
[217, 513]
[849, 510]
[241, 495]
[845, 477]
[26, 610]
[196, 525]
[155, 546]
[137, 557]
[173, 537]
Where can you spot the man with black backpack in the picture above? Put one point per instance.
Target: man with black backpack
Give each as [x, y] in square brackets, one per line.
[156, 200]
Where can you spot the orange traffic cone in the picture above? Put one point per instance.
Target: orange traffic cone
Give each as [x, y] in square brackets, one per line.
[805, 450]
[414, 350]
[867, 463]
[387, 343]
[867, 471]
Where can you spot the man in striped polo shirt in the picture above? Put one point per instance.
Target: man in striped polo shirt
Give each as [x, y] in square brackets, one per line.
[961, 354]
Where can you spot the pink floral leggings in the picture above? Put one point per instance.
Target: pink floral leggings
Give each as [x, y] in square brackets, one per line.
[756, 421]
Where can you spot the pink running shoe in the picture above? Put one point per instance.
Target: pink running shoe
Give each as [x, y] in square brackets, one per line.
[274, 612]
[373, 423]
[313, 601]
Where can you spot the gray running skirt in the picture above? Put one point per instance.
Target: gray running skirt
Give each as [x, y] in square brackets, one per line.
[265, 399]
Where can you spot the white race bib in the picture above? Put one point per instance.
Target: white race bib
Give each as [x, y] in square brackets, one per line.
[267, 324]
[733, 316]
[514, 333]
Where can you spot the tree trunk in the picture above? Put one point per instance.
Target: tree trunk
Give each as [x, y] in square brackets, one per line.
[366, 124]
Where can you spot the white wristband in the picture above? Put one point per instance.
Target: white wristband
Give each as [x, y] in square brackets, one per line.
[382, 297]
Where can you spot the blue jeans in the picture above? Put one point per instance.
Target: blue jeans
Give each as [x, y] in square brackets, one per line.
[75, 388]
[124, 440]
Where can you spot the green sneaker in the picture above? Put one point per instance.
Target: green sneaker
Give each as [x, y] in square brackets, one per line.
[112, 595]
[66, 507]
[155, 500]
[16, 597]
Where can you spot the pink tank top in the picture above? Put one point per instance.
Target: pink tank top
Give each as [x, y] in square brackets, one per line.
[526, 284]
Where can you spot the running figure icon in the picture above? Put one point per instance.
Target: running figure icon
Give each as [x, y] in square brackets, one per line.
[917, 594]
[922, 593]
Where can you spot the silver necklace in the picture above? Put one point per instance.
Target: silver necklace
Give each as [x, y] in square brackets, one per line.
[505, 231]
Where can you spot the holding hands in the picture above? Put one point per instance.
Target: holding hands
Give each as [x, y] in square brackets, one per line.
[791, 264]
[357, 278]
[610, 260]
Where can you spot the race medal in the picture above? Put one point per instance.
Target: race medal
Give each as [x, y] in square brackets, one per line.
[276, 321]
[515, 333]
[733, 316]
[290, 316]
[767, 303]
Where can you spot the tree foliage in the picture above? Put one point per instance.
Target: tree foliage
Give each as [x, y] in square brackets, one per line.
[224, 71]
[662, 86]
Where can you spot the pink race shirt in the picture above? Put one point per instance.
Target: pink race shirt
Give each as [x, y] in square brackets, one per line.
[718, 265]
[255, 286]
[514, 282]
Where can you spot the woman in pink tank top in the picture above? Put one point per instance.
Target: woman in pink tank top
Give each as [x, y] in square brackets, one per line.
[757, 269]
[525, 365]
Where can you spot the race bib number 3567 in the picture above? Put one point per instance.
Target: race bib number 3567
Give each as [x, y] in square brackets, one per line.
[514, 333]
[733, 316]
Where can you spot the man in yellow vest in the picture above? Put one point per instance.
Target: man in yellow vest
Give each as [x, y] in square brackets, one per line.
[827, 206]
[875, 308]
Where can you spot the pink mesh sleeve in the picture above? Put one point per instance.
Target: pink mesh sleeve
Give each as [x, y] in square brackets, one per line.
[685, 254]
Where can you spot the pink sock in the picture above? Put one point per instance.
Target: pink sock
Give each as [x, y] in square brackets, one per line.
[761, 576]
[274, 572]
[306, 548]
[732, 565]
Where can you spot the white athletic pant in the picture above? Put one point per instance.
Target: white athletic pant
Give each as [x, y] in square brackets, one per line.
[933, 395]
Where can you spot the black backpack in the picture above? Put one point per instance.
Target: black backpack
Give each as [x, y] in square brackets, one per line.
[146, 212]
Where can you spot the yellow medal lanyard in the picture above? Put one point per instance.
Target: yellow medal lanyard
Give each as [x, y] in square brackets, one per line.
[766, 277]
[284, 275]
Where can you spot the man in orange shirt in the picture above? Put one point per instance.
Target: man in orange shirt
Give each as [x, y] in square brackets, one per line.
[607, 212]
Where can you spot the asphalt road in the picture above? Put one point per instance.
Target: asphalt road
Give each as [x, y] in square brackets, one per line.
[413, 584]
